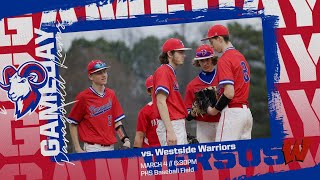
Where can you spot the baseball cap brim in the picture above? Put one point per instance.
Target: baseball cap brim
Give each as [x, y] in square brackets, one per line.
[204, 39]
[183, 49]
[99, 69]
[199, 58]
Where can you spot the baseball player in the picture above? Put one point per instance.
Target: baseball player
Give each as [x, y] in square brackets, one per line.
[206, 124]
[146, 135]
[167, 99]
[234, 82]
[97, 114]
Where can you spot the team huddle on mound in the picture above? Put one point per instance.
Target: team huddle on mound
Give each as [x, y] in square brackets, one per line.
[217, 99]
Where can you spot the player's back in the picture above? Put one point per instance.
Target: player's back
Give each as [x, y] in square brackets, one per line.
[240, 76]
[150, 130]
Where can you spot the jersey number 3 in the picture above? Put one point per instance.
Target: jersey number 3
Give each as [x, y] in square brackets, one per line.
[246, 76]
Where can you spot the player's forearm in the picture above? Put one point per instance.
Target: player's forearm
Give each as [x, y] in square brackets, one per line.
[121, 131]
[229, 91]
[223, 101]
[138, 140]
[75, 136]
[164, 114]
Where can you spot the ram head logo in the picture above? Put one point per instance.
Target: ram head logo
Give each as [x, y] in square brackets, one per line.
[22, 86]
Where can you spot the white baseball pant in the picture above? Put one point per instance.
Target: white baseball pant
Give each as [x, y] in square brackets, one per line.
[234, 124]
[97, 147]
[206, 131]
[179, 127]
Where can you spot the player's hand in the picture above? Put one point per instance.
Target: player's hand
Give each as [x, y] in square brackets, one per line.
[212, 111]
[79, 150]
[127, 144]
[193, 114]
[171, 138]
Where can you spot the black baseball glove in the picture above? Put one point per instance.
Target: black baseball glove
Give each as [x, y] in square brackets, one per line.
[192, 139]
[203, 99]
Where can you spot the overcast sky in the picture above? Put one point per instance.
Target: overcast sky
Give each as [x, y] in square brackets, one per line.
[192, 33]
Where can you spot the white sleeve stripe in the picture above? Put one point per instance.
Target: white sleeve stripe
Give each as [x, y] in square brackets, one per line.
[119, 118]
[226, 82]
[162, 89]
[72, 121]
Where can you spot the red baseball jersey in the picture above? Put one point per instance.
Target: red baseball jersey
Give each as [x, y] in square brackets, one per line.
[96, 115]
[164, 79]
[147, 123]
[234, 69]
[197, 84]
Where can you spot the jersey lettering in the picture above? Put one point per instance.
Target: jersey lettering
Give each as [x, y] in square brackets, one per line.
[154, 122]
[109, 120]
[176, 86]
[95, 111]
[246, 76]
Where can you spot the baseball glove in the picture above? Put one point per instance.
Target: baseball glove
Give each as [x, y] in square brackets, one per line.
[203, 99]
[192, 139]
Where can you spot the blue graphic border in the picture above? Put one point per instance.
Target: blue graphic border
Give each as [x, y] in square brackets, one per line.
[271, 61]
